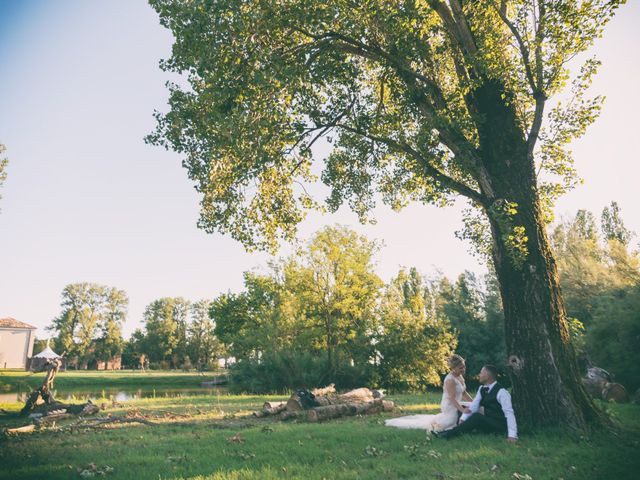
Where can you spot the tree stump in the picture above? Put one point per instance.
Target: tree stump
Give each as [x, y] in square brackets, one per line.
[43, 395]
[42, 404]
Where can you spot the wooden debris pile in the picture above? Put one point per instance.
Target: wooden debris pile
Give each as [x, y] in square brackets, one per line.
[599, 383]
[324, 404]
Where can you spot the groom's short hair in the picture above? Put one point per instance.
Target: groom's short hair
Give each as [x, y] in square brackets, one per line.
[493, 371]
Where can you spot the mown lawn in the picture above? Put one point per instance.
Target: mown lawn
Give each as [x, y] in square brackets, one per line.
[214, 438]
[18, 379]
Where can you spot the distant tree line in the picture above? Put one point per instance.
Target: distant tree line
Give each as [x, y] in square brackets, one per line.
[323, 315]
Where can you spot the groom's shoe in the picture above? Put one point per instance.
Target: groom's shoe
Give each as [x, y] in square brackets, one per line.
[445, 434]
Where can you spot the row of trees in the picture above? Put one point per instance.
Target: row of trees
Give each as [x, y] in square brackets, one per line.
[323, 314]
[89, 327]
[600, 278]
[176, 334]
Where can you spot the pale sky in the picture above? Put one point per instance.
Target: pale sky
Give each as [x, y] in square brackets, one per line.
[87, 200]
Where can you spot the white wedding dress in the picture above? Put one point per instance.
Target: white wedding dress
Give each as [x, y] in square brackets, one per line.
[446, 419]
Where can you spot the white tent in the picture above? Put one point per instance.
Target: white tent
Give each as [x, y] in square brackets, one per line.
[41, 359]
[47, 353]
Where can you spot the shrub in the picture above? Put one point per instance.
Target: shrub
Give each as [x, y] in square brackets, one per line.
[284, 371]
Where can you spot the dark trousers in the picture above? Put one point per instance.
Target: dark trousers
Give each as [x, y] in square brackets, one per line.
[478, 422]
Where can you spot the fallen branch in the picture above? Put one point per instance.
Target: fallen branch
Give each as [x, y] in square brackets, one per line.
[43, 394]
[25, 429]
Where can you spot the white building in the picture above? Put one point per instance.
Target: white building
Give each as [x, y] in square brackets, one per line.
[16, 343]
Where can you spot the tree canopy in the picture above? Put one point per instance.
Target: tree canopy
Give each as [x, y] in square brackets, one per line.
[420, 100]
[90, 323]
[397, 87]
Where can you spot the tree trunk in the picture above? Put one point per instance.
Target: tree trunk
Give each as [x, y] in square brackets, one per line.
[542, 365]
[547, 389]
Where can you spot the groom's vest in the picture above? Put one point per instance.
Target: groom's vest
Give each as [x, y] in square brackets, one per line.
[489, 401]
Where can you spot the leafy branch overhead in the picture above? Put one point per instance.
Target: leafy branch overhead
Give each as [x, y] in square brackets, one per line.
[401, 89]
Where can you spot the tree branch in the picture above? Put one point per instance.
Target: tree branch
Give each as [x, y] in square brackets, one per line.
[539, 95]
[438, 175]
[524, 51]
[463, 26]
[464, 42]
[453, 140]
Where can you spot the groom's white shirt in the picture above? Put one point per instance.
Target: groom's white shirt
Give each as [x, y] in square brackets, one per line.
[504, 399]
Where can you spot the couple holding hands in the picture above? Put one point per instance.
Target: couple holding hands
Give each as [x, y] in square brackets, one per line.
[490, 410]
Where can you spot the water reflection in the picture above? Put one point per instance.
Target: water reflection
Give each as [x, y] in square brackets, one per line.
[116, 394]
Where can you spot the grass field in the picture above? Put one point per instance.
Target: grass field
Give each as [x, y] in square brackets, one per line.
[19, 379]
[212, 437]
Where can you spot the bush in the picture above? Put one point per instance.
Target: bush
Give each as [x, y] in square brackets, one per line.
[285, 371]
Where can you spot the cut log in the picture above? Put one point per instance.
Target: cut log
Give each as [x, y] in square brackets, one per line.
[311, 407]
[319, 392]
[595, 381]
[319, 414]
[294, 404]
[278, 407]
[599, 383]
[358, 395]
[268, 405]
[615, 392]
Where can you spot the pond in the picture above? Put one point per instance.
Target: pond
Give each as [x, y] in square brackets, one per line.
[116, 394]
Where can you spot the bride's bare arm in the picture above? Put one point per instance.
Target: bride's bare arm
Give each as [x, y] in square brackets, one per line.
[450, 390]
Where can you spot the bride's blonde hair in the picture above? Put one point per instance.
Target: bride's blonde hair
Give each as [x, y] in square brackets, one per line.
[455, 361]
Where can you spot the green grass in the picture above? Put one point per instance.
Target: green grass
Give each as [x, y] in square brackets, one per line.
[349, 448]
[11, 380]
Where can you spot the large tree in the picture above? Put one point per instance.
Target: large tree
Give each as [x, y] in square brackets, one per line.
[413, 340]
[89, 326]
[165, 321]
[421, 100]
[337, 289]
[204, 346]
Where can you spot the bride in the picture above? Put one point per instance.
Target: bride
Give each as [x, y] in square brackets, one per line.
[451, 406]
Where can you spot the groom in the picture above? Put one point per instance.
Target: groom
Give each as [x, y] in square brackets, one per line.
[498, 413]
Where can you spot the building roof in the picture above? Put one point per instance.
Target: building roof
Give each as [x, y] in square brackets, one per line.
[13, 323]
[47, 353]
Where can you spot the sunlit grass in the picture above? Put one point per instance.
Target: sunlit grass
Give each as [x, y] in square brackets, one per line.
[198, 443]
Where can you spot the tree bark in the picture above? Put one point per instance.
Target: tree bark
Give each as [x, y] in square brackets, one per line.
[541, 360]
[547, 388]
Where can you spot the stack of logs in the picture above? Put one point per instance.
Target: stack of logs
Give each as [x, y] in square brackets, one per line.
[328, 404]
